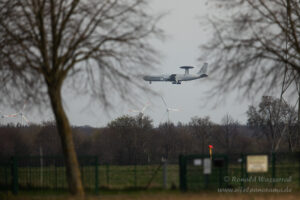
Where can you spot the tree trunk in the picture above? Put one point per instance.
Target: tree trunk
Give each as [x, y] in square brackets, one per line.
[290, 143]
[64, 130]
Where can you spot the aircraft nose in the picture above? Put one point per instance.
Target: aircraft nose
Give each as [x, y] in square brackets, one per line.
[145, 78]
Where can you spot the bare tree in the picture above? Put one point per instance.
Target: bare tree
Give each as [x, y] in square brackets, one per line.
[255, 46]
[168, 139]
[201, 129]
[230, 132]
[100, 45]
[275, 121]
[132, 137]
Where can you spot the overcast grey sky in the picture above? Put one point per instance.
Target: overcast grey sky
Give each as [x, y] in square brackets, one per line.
[181, 48]
[182, 25]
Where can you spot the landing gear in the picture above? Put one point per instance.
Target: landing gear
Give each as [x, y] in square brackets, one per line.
[150, 82]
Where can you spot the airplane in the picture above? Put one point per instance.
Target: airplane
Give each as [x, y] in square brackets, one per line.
[177, 78]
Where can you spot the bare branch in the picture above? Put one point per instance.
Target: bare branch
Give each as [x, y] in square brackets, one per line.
[251, 48]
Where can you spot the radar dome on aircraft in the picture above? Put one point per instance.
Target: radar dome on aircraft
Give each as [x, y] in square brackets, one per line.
[186, 69]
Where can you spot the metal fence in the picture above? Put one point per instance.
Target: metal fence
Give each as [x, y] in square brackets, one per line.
[43, 173]
[49, 173]
[230, 172]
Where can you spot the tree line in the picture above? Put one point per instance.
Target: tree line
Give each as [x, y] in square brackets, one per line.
[271, 127]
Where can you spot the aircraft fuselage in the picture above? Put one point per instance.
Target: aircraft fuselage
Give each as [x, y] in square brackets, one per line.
[174, 78]
[177, 78]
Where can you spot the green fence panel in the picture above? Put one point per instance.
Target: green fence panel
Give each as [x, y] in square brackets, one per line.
[193, 175]
[41, 173]
[283, 172]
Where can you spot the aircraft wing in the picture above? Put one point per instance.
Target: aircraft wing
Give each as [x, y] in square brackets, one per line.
[172, 77]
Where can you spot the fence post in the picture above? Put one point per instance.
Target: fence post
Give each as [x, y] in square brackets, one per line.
[30, 176]
[182, 172]
[107, 175]
[55, 171]
[6, 167]
[273, 168]
[96, 175]
[135, 176]
[298, 154]
[242, 169]
[14, 171]
[226, 169]
[165, 174]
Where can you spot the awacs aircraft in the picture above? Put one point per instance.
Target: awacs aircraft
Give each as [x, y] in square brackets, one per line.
[177, 78]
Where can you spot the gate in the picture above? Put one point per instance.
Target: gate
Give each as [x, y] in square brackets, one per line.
[202, 172]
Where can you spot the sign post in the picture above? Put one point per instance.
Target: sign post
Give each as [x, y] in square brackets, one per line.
[257, 163]
[206, 170]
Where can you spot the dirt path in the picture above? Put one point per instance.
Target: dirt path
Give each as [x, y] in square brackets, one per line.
[164, 196]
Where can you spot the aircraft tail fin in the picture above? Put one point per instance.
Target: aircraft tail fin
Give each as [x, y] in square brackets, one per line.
[203, 70]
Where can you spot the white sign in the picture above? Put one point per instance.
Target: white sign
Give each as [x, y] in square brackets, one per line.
[197, 162]
[257, 163]
[207, 166]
